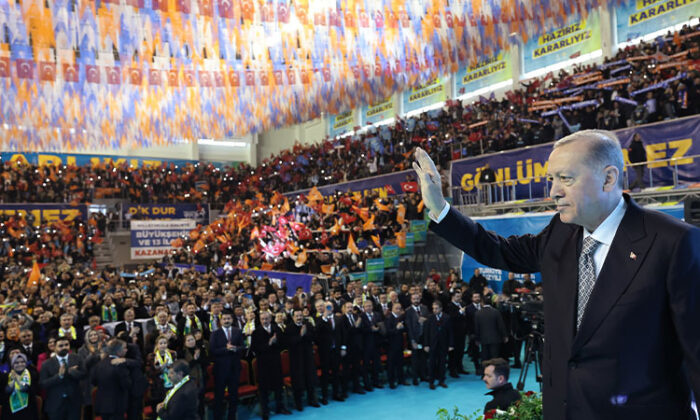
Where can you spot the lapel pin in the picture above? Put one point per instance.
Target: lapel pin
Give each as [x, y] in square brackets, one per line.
[633, 256]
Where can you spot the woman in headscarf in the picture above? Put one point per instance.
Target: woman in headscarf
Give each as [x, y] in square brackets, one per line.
[20, 390]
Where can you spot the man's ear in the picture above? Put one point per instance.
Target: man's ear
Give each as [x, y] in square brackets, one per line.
[611, 178]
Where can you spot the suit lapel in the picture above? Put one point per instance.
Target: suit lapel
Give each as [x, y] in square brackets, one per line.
[569, 259]
[619, 269]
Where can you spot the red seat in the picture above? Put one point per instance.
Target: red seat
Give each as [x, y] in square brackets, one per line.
[246, 389]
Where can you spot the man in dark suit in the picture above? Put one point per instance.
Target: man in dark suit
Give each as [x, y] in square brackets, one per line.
[351, 348]
[189, 321]
[437, 342]
[416, 314]
[182, 400]
[473, 349]
[496, 372]
[60, 379]
[111, 377]
[298, 338]
[395, 327]
[622, 286]
[458, 318]
[67, 329]
[131, 328]
[265, 343]
[371, 327]
[490, 332]
[32, 349]
[328, 341]
[225, 348]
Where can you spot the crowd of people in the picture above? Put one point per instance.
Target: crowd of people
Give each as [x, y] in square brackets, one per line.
[458, 130]
[117, 346]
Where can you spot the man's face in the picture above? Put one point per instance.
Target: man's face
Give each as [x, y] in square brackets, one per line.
[129, 315]
[298, 317]
[457, 297]
[511, 276]
[265, 319]
[174, 376]
[577, 189]
[437, 309]
[226, 320]
[368, 307]
[476, 298]
[26, 337]
[477, 272]
[238, 311]
[66, 322]
[162, 318]
[62, 347]
[490, 378]
[347, 307]
[415, 299]
[190, 310]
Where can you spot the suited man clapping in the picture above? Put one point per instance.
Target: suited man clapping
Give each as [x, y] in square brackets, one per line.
[225, 347]
[60, 378]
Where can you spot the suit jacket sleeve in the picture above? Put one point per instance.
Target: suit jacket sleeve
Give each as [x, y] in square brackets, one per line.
[217, 346]
[520, 254]
[683, 285]
[48, 377]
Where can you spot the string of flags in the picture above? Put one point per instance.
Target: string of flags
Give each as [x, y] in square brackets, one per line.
[82, 74]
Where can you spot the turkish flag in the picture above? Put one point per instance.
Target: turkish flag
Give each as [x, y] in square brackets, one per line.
[264, 78]
[233, 78]
[349, 20]
[291, 77]
[226, 9]
[319, 19]
[334, 18]
[25, 69]
[449, 19]
[113, 75]
[403, 17]
[154, 77]
[378, 70]
[392, 20]
[304, 77]
[364, 19]
[173, 78]
[135, 76]
[249, 78]
[268, 12]
[356, 72]
[205, 8]
[437, 21]
[92, 73]
[219, 78]
[389, 189]
[161, 5]
[188, 78]
[326, 74]
[378, 19]
[205, 79]
[366, 71]
[4, 67]
[278, 77]
[135, 3]
[47, 71]
[283, 12]
[183, 6]
[409, 186]
[71, 73]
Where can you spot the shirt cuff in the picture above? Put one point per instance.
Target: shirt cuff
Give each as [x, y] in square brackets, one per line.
[443, 213]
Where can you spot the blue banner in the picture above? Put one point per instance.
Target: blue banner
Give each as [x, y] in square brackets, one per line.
[292, 280]
[83, 159]
[520, 225]
[528, 167]
[578, 37]
[151, 239]
[634, 19]
[198, 212]
[46, 213]
[386, 185]
[341, 123]
[488, 71]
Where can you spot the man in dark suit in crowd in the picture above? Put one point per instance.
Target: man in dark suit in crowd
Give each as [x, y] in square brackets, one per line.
[371, 337]
[458, 320]
[496, 372]
[225, 348]
[477, 282]
[132, 328]
[437, 342]
[67, 328]
[395, 327]
[473, 349]
[181, 401]
[510, 286]
[298, 337]
[60, 379]
[622, 286]
[351, 348]
[490, 332]
[111, 377]
[188, 320]
[265, 343]
[416, 314]
[32, 349]
[328, 341]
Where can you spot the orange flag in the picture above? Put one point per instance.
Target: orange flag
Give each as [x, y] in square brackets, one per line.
[351, 246]
[285, 206]
[376, 240]
[328, 208]
[369, 224]
[420, 206]
[401, 239]
[34, 275]
[315, 195]
[301, 259]
[380, 206]
[401, 214]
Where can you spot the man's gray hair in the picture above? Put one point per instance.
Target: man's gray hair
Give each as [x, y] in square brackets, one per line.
[602, 149]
